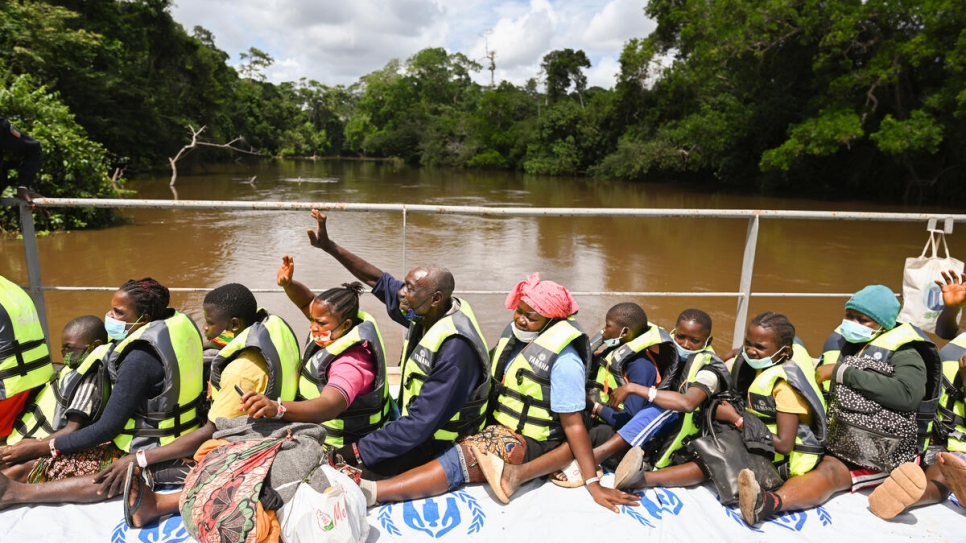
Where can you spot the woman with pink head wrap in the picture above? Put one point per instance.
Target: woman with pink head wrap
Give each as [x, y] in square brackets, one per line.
[547, 298]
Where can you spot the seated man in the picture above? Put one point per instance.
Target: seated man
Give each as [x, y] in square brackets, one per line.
[445, 366]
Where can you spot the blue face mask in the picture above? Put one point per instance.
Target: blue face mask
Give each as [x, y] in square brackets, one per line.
[117, 329]
[762, 363]
[854, 332]
[614, 341]
[683, 353]
[411, 315]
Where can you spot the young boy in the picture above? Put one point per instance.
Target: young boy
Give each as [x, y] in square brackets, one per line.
[65, 404]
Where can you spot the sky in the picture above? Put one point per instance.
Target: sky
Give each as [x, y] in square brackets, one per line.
[338, 41]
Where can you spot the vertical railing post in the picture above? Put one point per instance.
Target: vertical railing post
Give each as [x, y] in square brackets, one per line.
[405, 269]
[744, 289]
[33, 265]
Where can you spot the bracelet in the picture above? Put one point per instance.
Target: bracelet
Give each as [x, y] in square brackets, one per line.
[355, 451]
[591, 481]
[594, 411]
[281, 409]
[651, 394]
[54, 453]
[740, 422]
[141, 458]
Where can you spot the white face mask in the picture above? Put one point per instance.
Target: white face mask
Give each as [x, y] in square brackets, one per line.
[525, 336]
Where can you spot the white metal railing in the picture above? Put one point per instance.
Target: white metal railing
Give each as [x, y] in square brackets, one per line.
[743, 294]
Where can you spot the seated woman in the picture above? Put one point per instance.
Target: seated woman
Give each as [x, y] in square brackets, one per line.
[639, 419]
[540, 361]
[880, 365]
[343, 384]
[779, 377]
[155, 366]
[67, 403]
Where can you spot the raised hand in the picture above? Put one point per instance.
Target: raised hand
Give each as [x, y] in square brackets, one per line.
[285, 271]
[320, 237]
[954, 288]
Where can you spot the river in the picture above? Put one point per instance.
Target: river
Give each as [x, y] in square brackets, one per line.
[188, 248]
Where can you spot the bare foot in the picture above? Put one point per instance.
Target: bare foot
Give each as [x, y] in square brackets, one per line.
[5, 485]
[140, 507]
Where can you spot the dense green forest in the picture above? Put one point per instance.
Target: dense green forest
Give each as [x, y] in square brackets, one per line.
[851, 98]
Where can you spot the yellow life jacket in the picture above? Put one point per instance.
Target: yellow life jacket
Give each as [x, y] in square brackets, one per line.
[274, 339]
[24, 356]
[881, 348]
[46, 411]
[418, 361]
[174, 412]
[607, 371]
[368, 412]
[522, 385]
[799, 373]
[951, 417]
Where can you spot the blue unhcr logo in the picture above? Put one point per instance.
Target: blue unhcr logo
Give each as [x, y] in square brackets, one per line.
[790, 520]
[425, 515]
[667, 502]
[170, 530]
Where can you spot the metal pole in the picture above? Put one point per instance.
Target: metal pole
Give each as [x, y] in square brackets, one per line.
[33, 265]
[747, 269]
[405, 270]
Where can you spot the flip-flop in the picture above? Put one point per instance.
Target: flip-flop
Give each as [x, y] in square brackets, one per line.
[953, 468]
[572, 476]
[129, 508]
[630, 470]
[903, 488]
[492, 467]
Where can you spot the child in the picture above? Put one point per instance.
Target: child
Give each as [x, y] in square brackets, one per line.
[65, 404]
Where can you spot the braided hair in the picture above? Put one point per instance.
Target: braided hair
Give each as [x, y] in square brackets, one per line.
[779, 324]
[234, 300]
[148, 296]
[343, 301]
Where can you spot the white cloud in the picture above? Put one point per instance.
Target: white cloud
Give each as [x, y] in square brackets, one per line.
[337, 42]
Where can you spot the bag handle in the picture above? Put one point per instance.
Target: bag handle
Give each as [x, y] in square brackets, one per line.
[933, 242]
[709, 423]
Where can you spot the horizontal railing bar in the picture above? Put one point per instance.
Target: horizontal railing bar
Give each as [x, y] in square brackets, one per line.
[489, 211]
[503, 292]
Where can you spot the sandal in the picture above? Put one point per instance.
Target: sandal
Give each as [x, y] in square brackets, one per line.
[631, 469]
[903, 488]
[129, 482]
[572, 477]
[492, 467]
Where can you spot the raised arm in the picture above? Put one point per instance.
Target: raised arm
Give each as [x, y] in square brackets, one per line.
[362, 270]
[300, 294]
[954, 295]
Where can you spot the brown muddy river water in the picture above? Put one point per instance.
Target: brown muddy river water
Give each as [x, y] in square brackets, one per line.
[205, 248]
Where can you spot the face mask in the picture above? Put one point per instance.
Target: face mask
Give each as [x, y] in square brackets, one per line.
[854, 332]
[116, 329]
[525, 336]
[73, 359]
[223, 339]
[411, 315]
[761, 363]
[324, 339]
[614, 341]
[683, 353]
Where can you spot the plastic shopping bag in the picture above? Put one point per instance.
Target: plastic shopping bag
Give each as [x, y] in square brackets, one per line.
[337, 515]
[922, 298]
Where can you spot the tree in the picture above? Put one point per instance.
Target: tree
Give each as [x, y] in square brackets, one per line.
[563, 68]
[253, 64]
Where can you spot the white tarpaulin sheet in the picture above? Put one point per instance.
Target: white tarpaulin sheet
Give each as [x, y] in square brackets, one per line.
[538, 512]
